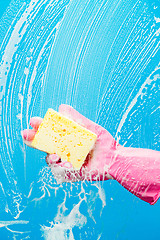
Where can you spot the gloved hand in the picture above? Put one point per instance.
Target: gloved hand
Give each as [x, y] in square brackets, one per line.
[98, 160]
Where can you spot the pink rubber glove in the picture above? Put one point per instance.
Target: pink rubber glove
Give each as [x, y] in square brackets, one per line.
[138, 170]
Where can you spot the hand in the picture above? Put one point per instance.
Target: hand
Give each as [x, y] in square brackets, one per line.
[98, 160]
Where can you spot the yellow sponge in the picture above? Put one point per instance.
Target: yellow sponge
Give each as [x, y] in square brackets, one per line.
[58, 134]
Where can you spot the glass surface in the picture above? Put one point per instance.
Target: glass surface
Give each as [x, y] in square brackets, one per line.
[103, 58]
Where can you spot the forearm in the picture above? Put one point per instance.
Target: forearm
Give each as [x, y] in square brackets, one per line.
[138, 170]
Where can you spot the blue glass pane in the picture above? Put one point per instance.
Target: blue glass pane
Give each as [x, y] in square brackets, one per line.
[103, 58]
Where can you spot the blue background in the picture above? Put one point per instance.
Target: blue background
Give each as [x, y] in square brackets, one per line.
[102, 58]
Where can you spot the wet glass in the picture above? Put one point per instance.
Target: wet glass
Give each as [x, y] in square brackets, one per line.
[103, 58]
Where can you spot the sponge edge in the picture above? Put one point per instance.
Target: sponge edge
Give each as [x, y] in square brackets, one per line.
[58, 134]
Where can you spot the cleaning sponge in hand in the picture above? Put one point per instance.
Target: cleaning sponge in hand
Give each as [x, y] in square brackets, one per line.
[58, 134]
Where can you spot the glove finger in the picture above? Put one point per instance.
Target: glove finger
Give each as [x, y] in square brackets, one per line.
[52, 158]
[35, 122]
[28, 134]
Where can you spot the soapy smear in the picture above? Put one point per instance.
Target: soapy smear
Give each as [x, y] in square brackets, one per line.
[101, 57]
[75, 208]
[22, 61]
